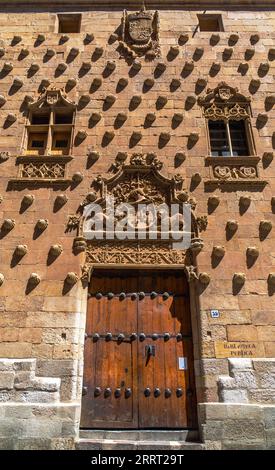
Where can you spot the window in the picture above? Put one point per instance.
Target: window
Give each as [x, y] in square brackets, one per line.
[69, 23]
[210, 23]
[228, 138]
[228, 119]
[60, 143]
[50, 125]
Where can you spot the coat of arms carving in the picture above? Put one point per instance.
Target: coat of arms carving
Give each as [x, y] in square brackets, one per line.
[140, 33]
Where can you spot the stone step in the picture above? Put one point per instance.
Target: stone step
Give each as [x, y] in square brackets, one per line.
[111, 444]
[141, 435]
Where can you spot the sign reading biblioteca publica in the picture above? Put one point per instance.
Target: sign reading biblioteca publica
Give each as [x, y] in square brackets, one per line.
[237, 349]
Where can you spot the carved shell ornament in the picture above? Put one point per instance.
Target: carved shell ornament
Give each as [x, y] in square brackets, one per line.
[140, 32]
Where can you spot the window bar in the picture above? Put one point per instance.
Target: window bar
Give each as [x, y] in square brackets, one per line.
[229, 138]
[49, 137]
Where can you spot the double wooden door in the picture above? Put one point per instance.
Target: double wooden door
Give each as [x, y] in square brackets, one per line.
[138, 356]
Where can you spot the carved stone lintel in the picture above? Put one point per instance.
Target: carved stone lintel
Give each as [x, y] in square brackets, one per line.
[234, 170]
[43, 170]
[133, 253]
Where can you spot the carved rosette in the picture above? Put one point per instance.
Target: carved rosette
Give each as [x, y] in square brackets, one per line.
[140, 33]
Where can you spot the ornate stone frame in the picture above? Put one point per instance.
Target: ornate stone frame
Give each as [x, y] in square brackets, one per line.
[44, 168]
[149, 255]
[226, 103]
[139, 171]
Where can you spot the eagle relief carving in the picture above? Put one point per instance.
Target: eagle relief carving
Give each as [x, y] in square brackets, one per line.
[140, 33]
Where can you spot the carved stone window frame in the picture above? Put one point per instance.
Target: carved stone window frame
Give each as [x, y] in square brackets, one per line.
[55, 100]
[49, 167]
[225, 103]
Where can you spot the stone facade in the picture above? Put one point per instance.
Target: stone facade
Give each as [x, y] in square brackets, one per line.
[114, 87]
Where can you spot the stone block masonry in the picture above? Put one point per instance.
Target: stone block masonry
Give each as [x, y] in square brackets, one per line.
[32, 415]
[128, 102]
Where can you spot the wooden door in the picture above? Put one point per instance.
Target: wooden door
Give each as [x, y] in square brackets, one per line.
[142, 376]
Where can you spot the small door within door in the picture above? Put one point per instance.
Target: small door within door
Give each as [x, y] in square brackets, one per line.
[138, 358]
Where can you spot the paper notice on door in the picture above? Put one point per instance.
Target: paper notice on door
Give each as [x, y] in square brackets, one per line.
[182, 363]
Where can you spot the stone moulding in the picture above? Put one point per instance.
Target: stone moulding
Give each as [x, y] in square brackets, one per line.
[48, 169]
[136, 3]
[128, 253]
[134, 254]
[225, 113]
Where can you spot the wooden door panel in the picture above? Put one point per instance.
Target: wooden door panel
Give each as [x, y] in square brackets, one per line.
[160, 372]
[171, 389]
[110, 364]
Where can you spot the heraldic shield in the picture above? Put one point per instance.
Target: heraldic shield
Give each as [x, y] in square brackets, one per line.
[140, 28]
[140, 32]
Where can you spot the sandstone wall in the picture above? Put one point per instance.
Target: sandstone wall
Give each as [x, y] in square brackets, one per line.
[47, 322]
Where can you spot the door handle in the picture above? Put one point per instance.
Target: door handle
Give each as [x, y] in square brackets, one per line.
[150, 350]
